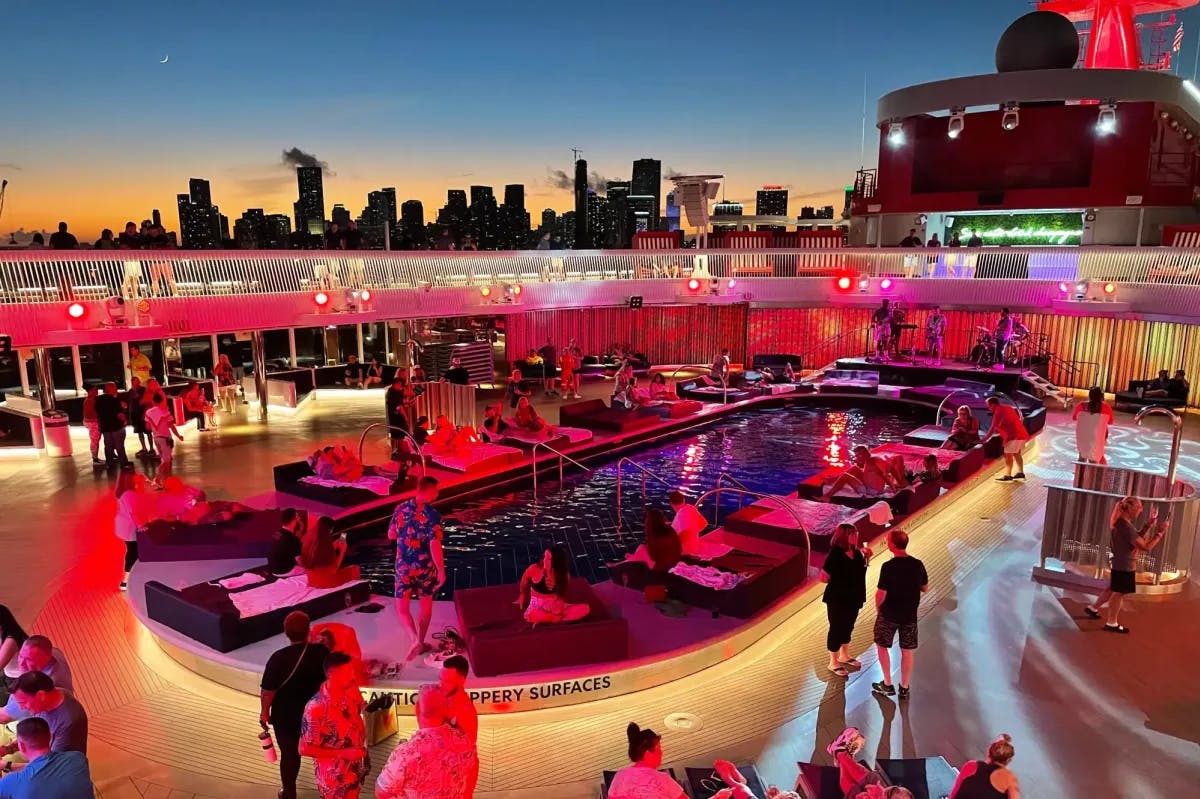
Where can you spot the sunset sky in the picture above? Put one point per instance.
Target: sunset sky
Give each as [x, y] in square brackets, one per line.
[430, 96]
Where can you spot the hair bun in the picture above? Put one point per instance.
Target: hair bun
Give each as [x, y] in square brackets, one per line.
[1004, 737]
[633, 732]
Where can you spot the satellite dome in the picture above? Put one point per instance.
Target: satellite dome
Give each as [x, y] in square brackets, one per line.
[1038, 40]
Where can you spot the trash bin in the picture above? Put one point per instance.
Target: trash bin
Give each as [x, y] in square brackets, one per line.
[57, 431]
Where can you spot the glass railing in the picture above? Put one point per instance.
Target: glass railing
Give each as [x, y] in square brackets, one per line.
[36, 276]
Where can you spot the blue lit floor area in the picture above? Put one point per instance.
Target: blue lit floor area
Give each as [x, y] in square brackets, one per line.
[1092, 715]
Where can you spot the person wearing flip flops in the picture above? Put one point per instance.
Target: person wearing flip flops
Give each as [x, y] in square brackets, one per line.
[1127, 539]
[845, 576]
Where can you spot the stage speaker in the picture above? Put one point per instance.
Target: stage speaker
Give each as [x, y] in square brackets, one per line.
[635, 302]
[5, 344]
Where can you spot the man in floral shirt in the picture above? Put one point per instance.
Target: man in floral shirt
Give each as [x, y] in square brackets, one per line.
[436, 762]
[416, 527]
[332, 732]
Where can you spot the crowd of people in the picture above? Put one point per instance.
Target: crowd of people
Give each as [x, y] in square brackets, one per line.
[150, 236]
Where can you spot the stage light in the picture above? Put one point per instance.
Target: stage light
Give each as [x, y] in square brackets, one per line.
[1110, 289]
[485, 291]
[895, 135]
[693, 285]
[732, 282]
[365, 295]
[844, 283]
[1106, 122]
[76, 310]
[513, 290]
[864, 284]
[886, 284]
[1063, 288]
[1012, 116]
[1081, 288]
[958, 121]
[321, 299]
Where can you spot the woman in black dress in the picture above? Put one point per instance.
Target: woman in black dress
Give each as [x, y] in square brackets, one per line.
[845, 578]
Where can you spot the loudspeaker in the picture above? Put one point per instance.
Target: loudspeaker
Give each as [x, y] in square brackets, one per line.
[635, 302]
[6, 344]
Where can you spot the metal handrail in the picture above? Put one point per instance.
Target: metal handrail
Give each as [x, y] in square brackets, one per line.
[941, 407]
[775, 497]
[726, 477]
[416, 444]
[724, 379]
[561, 457]
[1176, 437]
[828, 341]
[645, 473]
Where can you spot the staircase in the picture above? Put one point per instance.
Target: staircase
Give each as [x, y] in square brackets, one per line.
[1052, 394]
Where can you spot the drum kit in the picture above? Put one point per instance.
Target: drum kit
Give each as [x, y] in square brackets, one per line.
[983, 354]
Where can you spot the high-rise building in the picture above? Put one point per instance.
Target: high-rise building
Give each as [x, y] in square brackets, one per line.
[549, 220]
[566, 230]
[641, 211]
[481, 194]
[249, 231]
[455, 212]
[514, 219]
[411, 234]
[726, 209]
[597, 220]
[514, 195]
[647, 181]
[278, 227]
[619, 225]
[156, 217]
[412, 214]
[825, 212]
[310, 214]
[200, 222]
[581, 237]
[200, 191]
[807, 212]
[672, 215]
[484, 227]
[222, 226]
[340, 216]
[389, 199]
[771, 201]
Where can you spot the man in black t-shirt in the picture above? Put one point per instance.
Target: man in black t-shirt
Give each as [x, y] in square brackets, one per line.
[549, 355]
[111, 417]
[902, 580]
[292, 677]
[352, 238]
[354, 372]
[457, 373]
[63, 240]
[285, 551]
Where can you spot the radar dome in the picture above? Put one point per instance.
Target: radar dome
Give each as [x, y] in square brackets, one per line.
[1038, 40]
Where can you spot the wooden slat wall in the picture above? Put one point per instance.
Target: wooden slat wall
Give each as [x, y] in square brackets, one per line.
[1122, 349]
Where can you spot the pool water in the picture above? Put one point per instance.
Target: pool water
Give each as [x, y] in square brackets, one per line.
[490, 540]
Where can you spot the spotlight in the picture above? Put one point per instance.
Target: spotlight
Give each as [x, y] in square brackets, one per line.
[958, 120]
[365, 295]
[321, 299]
[864, 284]
[732, 282]
[485, 291]
[76, 310]
[1106, 122]
[693, 285]
[1063, 288]
[895, 134]
[1110, 289]
[1012, 116]
[844, 283]
[886, 284]
[514, 290]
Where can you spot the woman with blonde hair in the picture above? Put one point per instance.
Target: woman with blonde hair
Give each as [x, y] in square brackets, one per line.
[989, 779]
[1127, 538]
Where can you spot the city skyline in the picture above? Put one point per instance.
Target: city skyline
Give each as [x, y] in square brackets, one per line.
[432, 99]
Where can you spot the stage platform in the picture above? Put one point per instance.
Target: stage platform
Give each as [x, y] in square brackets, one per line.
[905, 373]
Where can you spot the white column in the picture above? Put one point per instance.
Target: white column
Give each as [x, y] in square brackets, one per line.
[78, 368]
[359, 335]
[127, 376]
[292, 347]
[22, 361]
[1141, 224]
[216, 356]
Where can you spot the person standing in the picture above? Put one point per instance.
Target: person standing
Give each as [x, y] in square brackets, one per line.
[902, 580]
[1007, 423]
[911, 241]
[161, 424]
[226, 383]
[935, 336]
[135, 403]
[882, 321]
[1126, 539]
[333, 734]
[92, 423]
[333, 237]
[989, 779]
[111, 415]
[352, 239]
[416, 527]
[62, 240]
[845, 576]
[1092, 420]
[932, 259]
[131, 516]
[396, 411]
[457, 374]
[292, 677]
[720, 368]
[139, 365]
[46, 774]
[549, 354]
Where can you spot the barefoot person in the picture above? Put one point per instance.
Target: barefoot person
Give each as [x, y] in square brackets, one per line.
[870, 476]
[416, 527]
[1127, 539]
[543, 591]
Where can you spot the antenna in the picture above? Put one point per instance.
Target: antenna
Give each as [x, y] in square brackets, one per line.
[575, 153]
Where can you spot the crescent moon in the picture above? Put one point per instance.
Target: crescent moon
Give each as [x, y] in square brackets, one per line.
[165, 59]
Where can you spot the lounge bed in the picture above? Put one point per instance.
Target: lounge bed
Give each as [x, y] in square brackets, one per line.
[476, 458]
[770, 521]
[770, 571]
[500, 641]
[296, 479]
[1133, 398]
[700, 390]
[961, 389]
[932, 435]
[595, 415]
[956, 466]
[554, 436]
[849, 381]
[673, 409]
[250, 535]
[904, 502]
[209, 613]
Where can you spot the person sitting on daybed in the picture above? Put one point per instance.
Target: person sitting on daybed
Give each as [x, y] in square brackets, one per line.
[336, 463]
[443, 433]
[179, 502]
[1159, 386]
[527, 417]
[321, 555]
[870, 476]
[622, 388]
[931, 473]
[639, 395]
[964, 433]
[688, 523]
[660, 389]
[493, 423]
[543, 590]
[663, 548]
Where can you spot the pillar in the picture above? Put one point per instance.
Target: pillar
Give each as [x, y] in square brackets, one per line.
[292, 347]
[258, 356]
[78, 368]
[45, 377]
[126, 375]
[358, 333]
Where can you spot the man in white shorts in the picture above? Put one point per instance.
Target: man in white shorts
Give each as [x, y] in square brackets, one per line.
[161, 423]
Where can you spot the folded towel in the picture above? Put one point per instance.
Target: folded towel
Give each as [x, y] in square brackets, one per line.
[709, 550]
[284, 593]
[373, 483]
[241, 580]
[707, 576]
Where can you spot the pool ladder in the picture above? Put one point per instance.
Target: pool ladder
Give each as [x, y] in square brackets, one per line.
[562, 458]
[744, 492]
[416, 444]
[645, 473]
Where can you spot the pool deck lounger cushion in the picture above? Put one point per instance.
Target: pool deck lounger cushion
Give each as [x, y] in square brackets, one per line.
[904, 502]
[250, 535]
[956, 465]
[966, 389]
[288, 480]
[767, 520]
[932, 435]
[500, 641]
[479, 457]
[595, 415]
[771, 570]
[204, 612]
[674, 409]
[557, 437]
[849, 381]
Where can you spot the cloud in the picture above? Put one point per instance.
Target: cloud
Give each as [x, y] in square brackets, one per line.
[558, 179]
[817, 195]
[670, 173]
[10, 166]
[295, 157]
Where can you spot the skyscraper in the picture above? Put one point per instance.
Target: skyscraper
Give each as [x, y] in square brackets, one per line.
[484, 217]
[310, 216]
[249, 232]
[726, 209]
[549, 220]
[277, 229]
[200, 191]
[582, 239]
[340, 216]
[412, 226]
[641, 210]
[619, 223]
[514, 195]
[389, 197]
[672, 214]
[200, 222]
[597, 220]
[514, 219]
[647, 181]
[156, 217]
[771, 201]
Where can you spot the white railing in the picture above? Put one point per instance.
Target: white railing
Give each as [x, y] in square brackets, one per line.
[35, 276]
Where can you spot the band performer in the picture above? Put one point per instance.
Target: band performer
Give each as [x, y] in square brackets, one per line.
[882, 320]
[935, 336]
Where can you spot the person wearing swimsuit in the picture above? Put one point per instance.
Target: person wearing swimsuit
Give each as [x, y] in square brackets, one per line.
[543, 591]
[989, 779]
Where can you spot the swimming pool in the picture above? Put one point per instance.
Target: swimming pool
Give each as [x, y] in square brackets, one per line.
[490, 540]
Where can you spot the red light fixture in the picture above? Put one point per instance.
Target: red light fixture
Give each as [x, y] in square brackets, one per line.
[321, 299]
[1110, 289]
[76, 310]
[844, 283]
[365, 295]
[693, 285]
[485, 292]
